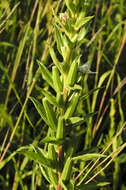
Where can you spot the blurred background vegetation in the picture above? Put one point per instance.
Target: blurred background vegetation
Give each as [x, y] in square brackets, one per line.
[26, 27]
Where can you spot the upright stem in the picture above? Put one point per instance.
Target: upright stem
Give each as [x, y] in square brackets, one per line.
[60, 158]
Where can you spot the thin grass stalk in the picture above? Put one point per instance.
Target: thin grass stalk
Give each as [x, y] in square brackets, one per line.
[36, 32]
[18, 120]
[19, 53]
[115, 155]
[8, 16]
[103, 152]
[109, 80]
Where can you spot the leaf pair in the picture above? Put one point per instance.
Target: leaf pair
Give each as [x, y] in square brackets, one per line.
[46, 112]
[38, 155]
[53, 79]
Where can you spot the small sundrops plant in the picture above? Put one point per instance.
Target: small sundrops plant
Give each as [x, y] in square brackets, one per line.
[61, 104]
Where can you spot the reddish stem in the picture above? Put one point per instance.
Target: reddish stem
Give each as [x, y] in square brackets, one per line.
[60, 158]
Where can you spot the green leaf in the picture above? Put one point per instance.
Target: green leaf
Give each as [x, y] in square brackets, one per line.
[52, 152]
[59, 38]
[72, 105]
[76, 121]
[70, 185]
[40, 109]
[44, 171]
[102, 184]
[103, 77]
[50, 114]
[70, 6]
[60, 128]
[112, 119]
[55, 60]
[51, 187]
[63, 184]
[37, 155]
[53, 156]
[81, 34]
[76, 87]
[53, 177]
[60, 100]
[82, 21]
[67, 42]
[72, 75]
[113, 33]
[87, 157]
[63, 44]
[67, 170]
[47, 76]
[58, 86]
[7, 44]
[52, 140]
[49, 96]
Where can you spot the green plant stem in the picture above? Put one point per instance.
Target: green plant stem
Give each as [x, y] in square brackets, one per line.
[60, 158]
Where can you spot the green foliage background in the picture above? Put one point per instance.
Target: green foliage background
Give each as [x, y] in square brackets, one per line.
[26, 31]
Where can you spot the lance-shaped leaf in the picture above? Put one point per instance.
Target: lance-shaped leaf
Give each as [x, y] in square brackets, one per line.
[66, 174]
[52, 153]
[86, 157]
[59, 38]
[53, 177]
[72, 105]
[45, 73]
[60, 128]
[63, 44]
[76, 121]
[58, 86]
[49, 96]
[82, 33]
[70, 6]
[55, 60]
[72, 75]
[81, 21]
[52, 140]
[50, 114]
[35, 153]
[68, 185]
[52, 156]
[40, 109]
[59, 99]
[44, 171]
